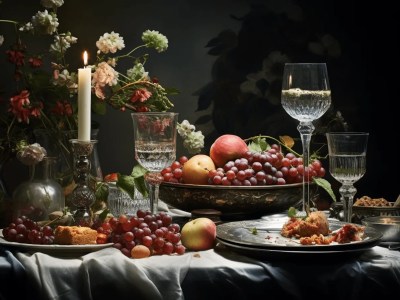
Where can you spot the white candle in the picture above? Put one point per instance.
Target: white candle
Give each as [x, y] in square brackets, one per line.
[84, 101]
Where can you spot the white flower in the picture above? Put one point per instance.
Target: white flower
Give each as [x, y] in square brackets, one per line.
[1, 40]
[156, 40]
[185, 128]
[137, 72]
[110, 42]
[112, 62]
[64, 78]
[62, 42]
[32, 154]
[51, 3]
[27, 27]
[194, 142]
[46, 23]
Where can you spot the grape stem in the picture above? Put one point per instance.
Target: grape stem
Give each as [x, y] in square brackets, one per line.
[275, 140]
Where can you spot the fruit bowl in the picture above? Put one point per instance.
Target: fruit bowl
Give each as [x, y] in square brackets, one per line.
[234, 201]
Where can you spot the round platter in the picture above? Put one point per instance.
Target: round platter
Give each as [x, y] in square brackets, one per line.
[267, 241]
[53, 249]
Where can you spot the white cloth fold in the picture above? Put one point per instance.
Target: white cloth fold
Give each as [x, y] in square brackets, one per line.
[106, 274]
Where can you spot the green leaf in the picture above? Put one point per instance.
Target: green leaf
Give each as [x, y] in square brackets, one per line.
[325, 185]
[258, 144]
[127, 184]
[254, 147]
[254, 231]
[101, 191]
[138, 171]
[292, 212]
[103, 215]
[141, 186]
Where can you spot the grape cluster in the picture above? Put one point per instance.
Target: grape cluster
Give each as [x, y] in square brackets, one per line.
[174, 172]
[270, 167]
[25, 230]
[155, 231]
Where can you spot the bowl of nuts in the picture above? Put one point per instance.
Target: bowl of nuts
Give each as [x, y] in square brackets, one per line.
[374, 207]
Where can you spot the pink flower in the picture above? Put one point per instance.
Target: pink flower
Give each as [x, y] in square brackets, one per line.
[105, 75]
[140, 95]
[20, 106]
[98, 90]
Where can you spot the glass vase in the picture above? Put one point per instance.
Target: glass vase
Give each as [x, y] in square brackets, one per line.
[37, 197]
[119, 202]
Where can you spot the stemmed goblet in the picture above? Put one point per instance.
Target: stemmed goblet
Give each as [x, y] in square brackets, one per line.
[306, 96]
[155, 147]
[347, 164]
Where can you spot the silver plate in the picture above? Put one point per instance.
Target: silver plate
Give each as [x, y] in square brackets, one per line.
[268, 238]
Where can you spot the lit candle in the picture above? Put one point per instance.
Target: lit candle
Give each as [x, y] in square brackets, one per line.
[84, 100]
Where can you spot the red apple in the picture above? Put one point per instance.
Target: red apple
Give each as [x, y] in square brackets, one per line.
[227, 147]
[199, 234]
[195, 170]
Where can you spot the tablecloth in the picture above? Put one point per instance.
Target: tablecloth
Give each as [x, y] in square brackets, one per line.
[213, 274]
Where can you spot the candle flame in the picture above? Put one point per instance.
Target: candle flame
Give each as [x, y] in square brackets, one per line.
[85, 58]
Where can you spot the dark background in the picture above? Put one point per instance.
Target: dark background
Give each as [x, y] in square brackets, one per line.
[214, 45]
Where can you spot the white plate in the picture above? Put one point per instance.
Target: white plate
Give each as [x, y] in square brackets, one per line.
[54, 248]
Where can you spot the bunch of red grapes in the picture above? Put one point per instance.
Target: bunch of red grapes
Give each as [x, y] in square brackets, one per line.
[155, 231]
[270, 167]
[25, 230]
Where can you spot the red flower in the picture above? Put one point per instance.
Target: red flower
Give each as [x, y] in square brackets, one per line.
[142, 108]
[35, 62]
[16, 57]
[36, 111]
[62, 108]
[20, 106]
[140, 95]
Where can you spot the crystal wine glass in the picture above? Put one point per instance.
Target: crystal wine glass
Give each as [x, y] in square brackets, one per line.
[347, 164]
[306, 96]
[155, 147]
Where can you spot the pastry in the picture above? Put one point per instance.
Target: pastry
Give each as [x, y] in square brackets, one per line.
[74, 235]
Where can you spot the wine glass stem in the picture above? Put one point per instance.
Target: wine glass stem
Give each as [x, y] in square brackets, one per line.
[347, 191]
[153, 180]
[306, 129]
[153, 194]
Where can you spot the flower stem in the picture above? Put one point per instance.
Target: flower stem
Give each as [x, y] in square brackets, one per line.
[8, 21]
[130, 52]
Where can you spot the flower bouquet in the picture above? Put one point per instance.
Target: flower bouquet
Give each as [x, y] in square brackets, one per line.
[44, 90]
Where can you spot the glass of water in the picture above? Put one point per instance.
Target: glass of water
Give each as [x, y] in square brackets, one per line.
[155, 147]
[347, 164]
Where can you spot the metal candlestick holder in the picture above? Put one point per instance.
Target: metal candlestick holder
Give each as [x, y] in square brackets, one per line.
[83, 195]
